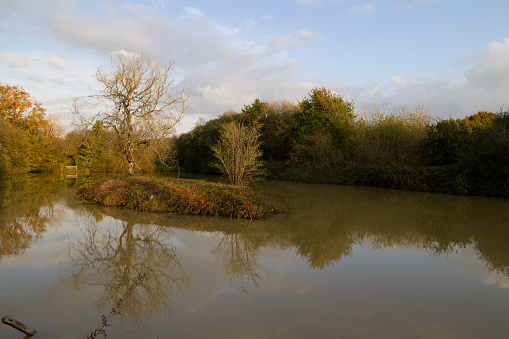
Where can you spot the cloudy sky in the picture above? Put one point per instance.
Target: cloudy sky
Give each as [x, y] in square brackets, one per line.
[452, 56]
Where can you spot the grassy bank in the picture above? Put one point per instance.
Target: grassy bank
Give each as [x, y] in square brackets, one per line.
[179, 196]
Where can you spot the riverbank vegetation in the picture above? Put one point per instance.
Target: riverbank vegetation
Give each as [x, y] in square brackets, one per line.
[180, 196]
[322, 139]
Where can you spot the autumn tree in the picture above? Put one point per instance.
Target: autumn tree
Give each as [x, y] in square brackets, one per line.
[138, 100]
[14, 149]
[23, 112]
[19, 110]
[238, 153]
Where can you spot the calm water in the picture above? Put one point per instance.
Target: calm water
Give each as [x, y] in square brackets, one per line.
[341, 262]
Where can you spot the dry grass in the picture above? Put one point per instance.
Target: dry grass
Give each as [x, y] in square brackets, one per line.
[180, 196]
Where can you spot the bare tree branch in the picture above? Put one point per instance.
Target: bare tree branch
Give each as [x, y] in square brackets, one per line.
[238, 153]
[138, 100]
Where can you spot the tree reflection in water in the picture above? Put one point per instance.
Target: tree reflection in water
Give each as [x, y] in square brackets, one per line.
[17, 235]
[114, 256]
[27, 207]
[239, 257]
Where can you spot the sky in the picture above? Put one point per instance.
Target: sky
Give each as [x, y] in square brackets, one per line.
[450, 56]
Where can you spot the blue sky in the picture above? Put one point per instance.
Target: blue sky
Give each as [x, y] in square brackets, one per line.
[451, 56]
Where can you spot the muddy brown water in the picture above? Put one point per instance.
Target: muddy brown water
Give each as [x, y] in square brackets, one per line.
[340, 262]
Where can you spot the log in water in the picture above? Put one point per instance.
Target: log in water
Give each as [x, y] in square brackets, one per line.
[17, 325]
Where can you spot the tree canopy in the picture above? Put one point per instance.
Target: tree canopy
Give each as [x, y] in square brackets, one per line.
[27, 133]
[17, 107]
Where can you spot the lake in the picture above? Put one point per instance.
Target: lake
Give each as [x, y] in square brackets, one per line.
[339, 262]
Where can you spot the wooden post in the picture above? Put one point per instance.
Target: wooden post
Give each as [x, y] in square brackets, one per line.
[17, 325]
[75, 168]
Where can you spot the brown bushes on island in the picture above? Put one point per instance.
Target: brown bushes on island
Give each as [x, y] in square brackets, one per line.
[179, 196]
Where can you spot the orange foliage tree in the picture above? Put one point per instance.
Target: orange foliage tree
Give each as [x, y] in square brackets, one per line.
[25, 114]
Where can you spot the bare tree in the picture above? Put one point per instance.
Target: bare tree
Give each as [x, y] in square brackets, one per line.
[138, 100]
[238, 153]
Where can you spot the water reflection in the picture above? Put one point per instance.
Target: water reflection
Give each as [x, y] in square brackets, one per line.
[237, 249]
[325, 228]
[28, 205]
[238, 256]
[114, 255]
[325, 222]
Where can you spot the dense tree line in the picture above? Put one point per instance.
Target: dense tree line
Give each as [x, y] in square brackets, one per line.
[323, 139]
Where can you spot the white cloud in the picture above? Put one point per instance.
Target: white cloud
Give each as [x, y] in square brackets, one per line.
[191, 11]
[104, 33]
[35, 63]
[492, 70]
[35, 79]
[445, 96]
[124, 53]
[229, 67]
[57, 62]
[225, 72]
[160, 3]
[50, 79]
[397, 81]
[228, 31]
[241, 81]
[9, 7]
[483, 86]
[13, 60]
[366, 9]
[272, 45]
[290, 41]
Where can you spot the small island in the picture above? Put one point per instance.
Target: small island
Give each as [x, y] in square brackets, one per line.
[179, 196]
